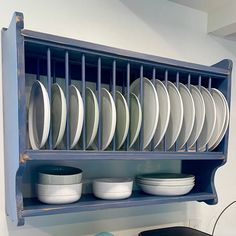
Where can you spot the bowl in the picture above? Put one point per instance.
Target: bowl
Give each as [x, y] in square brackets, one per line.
[112, 188]
[112, 196]
[166, 190]
[59, 175]
[59, 194]
[59, 199]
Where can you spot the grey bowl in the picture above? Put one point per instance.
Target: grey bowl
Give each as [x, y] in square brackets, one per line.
[59, 175]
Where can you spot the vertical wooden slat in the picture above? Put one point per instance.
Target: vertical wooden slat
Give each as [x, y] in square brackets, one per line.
[84, 135]
[177, 85]
[166, 83]
[54, 71]
[99, 104]
[154, 83]
[49, 80]
[67, 85]
[199, 87]
[38, 69]
[128, 100]
[142, 106]
[189, 84]
[114, 97]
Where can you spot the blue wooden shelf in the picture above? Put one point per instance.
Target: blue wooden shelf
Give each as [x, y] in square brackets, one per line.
[32, 207]
[62, 155]
[51, 57]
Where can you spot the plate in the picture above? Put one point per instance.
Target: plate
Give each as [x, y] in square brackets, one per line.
[150, 108]
[226, 124]
[76, 111]
[188, 118]
[122, 119]
[58, 114]
[220, 116]
[108, 120]
[92, 116]
[176, 117]
[199, 115]
[164, 112]
[210, 119]
[135, 118]
[38, 116]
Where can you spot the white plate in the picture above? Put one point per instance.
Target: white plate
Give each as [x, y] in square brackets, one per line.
[150, 108]
[108, 116]
[166, 190]
[220, 116]
[135, 118]
[222, 134]
[164, 112]
[38, 116]
[165, 183]
[58, 113]
[199, 115]
[176, 116]
[189, 116]
[122, 119]
[210, 119]
[92, 117]
[76, 115]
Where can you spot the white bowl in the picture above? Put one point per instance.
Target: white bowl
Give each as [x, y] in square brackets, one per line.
[59, 190]
[113, 185]
[59, 175]
[112, 196]
[60, 199]
[166, 190]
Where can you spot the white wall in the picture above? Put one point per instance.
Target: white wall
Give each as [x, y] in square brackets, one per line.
[156, 27]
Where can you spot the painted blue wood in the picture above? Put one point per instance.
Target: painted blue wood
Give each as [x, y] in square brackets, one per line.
[30, 36]
[14, 113]
[202, 164]
[90, 203]
[119, 155]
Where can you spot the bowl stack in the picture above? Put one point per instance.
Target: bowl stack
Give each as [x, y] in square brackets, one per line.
[59, 184]
[166, 184]
[112, 188]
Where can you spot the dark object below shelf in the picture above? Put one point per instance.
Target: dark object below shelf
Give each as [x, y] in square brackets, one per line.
[174, 231]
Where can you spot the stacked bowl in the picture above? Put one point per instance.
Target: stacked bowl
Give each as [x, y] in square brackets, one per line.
[59, 184]
[166, 184]
[112, 188]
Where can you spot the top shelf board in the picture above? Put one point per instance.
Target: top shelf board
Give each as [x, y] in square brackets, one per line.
[73, 44]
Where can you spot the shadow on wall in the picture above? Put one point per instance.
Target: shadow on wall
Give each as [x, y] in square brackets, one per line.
[103, 220]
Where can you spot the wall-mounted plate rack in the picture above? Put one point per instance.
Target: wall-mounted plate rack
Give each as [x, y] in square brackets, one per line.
[50, 57]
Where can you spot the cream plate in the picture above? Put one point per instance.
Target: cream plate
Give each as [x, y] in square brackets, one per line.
[108, 120]
[220, 116]
[58, 113]
[122, 119]
[226, 124]
[92, 117]
[176, 116]
[38, 116]
[164, 112]
[189, 116]
[135, 118]
[150, 108]
[199, 115]
[76, 110]
[210, 119]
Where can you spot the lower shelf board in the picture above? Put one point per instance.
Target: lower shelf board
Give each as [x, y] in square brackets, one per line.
[32, 207]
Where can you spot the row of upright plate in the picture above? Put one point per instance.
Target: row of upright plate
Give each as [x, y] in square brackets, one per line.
[164, 116]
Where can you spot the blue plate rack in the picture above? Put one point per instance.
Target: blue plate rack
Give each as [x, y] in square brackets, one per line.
[41, 54]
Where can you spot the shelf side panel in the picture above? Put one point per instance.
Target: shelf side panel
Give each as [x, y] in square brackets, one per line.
[12, 69]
